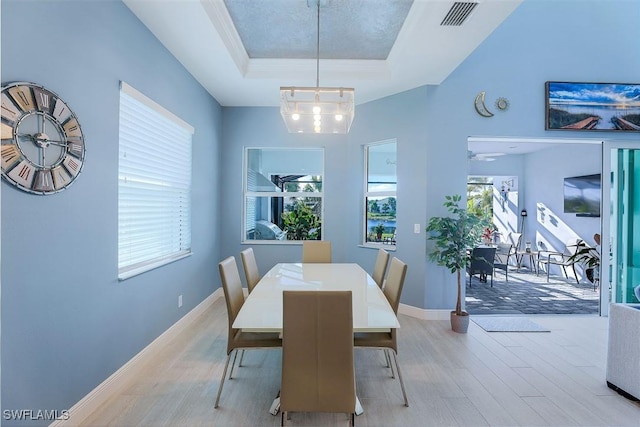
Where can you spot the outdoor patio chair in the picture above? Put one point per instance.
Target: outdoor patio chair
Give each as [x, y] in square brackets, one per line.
[482, 260]
[562, 259]
[514, 239]
[501, 259]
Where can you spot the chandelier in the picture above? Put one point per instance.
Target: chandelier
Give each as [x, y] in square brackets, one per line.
[317, 109]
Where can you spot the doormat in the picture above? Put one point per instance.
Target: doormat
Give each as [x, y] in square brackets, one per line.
[508, 324]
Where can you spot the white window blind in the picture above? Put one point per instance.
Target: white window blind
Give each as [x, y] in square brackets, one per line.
[154, 185]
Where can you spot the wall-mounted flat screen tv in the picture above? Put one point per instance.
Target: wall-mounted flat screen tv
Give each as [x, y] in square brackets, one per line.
[582, 195]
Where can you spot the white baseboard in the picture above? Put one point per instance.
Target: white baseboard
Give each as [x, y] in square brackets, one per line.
[120, 379]
[423, 314]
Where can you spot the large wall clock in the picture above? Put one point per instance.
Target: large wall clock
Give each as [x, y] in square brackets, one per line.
[42, 143]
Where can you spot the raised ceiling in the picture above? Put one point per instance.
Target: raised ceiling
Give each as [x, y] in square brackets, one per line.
[242, 51]
[370, 36]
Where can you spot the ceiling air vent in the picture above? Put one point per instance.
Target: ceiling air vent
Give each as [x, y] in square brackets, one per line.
[458, 13]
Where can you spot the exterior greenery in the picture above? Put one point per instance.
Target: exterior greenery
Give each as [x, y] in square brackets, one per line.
[379, 229]
[381, 210]
[588, 256]
[453, 236]
[301, 223]
[480, 198]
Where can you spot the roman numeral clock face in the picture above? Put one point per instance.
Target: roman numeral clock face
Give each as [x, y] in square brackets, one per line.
[42, 144]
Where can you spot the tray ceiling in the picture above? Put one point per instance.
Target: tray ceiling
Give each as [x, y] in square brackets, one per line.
[242, 51]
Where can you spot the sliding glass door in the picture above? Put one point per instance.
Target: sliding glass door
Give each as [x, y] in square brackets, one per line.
[621, 240]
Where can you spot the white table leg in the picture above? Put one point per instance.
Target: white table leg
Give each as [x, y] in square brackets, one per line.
[275, 407]
[359, 410]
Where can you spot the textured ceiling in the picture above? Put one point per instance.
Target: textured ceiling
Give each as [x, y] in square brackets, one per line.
[356, 29]
[242, 54]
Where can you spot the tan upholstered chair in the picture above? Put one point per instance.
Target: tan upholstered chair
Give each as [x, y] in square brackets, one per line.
[316, 251]
[237, 339]
[250, 268]
[387, 340]
[318, 373]
[380, 267]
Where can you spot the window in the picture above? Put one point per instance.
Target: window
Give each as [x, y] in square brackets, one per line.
[480, 196]
[283, 194]
[380, 194]
[154, 185]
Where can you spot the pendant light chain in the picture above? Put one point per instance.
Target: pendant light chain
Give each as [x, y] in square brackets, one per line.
[318, 49]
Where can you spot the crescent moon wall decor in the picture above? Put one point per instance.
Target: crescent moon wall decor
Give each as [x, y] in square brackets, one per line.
[481, 108]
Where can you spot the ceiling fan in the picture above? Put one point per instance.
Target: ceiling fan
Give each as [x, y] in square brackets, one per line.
[483, 157]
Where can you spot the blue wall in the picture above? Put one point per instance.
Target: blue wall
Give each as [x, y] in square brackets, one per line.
[540, 41]
[67, 323]
[561, 40]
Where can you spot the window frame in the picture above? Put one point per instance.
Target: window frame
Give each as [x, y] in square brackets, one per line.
[273, 194]
[391, 246]
[183, 182]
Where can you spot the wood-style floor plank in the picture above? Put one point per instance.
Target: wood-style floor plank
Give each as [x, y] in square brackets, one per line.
[476, 379]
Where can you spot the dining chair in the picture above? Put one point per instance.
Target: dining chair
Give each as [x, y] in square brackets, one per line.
[380, 267]
[316, 251]
[318, 373]
[388, 340]
[250, 267]
[237, 339]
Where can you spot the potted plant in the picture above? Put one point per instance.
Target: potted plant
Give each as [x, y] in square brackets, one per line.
[379, 229]
[453, 236]
[589, 257]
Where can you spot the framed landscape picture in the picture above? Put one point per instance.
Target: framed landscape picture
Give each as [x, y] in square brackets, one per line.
[592, 106]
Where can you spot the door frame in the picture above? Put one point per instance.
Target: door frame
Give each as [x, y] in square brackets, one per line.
[608, 241]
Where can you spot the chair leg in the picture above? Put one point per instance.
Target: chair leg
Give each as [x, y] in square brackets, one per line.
[224, 374]
[233, 364]
[386, 354]
[241, 357]
[352, 419]
[404, 394]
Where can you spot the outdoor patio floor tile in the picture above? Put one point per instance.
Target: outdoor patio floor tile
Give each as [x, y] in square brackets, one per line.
[528, 293]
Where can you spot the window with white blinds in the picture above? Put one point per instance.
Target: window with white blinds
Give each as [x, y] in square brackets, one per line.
[154, 185]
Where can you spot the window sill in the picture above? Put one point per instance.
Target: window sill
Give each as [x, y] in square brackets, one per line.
[386, 247]
[128, 272]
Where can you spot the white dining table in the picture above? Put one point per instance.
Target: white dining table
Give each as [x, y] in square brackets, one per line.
[262, 310]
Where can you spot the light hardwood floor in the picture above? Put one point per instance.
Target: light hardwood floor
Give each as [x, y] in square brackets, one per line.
[474, 379]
